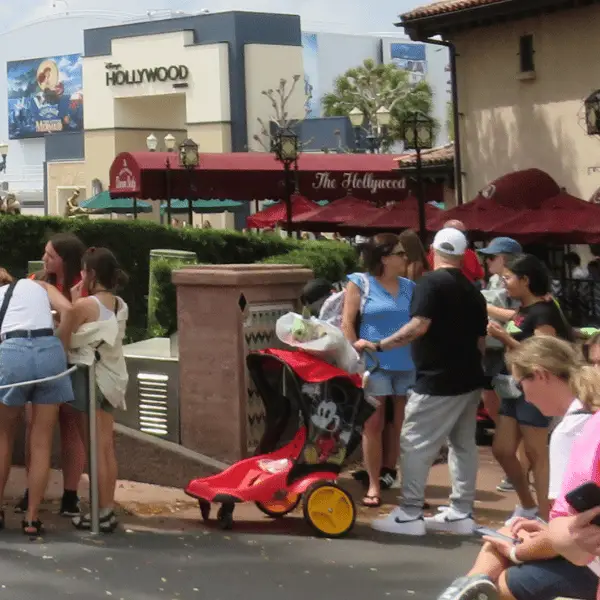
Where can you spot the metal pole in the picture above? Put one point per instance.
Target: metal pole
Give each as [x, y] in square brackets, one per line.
[288, 197]
[421, 196]
[135, 207]
[168, 166]
[190, 213]
[93, 453]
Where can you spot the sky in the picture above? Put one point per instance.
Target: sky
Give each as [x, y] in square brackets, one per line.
[344, 16]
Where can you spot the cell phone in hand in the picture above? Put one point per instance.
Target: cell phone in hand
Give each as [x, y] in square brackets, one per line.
[585, 497]
[485, 531]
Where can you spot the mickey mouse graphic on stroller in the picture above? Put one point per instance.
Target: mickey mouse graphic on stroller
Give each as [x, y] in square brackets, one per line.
[315, 413]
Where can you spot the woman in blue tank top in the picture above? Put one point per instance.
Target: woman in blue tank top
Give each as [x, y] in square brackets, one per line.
[386, 308]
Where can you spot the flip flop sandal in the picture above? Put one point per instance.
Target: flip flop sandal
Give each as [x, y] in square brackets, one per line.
[371, 501]
[108, 523]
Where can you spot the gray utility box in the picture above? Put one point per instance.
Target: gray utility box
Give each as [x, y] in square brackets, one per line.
[153, 391]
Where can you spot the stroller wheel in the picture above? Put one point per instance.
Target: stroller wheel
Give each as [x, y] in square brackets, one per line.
[329, 510]
[225, 516]
[279, 508]
[204, 509]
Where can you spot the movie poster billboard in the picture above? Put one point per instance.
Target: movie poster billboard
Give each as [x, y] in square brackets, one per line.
[411, 58]
[45, 95]
[310, 47]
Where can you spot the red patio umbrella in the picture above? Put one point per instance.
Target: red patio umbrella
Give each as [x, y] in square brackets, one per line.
[572, 219]
[275, 214]
[331, 217]
[395, 217]
[506, 199]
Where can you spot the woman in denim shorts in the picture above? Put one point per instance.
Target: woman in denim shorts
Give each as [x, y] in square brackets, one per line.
[385, 310]
[29, 351]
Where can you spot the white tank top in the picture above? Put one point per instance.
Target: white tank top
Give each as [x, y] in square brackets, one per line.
[105, 313]
[28, 309]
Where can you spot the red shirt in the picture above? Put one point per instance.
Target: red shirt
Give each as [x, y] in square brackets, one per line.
[471, 267]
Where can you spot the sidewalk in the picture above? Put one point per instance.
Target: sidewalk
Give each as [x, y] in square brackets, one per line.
[144, 506]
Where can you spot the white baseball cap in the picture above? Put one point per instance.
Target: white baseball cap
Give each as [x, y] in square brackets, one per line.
[450, 241]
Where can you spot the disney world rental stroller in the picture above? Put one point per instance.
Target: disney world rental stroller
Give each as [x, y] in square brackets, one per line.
[315, 413]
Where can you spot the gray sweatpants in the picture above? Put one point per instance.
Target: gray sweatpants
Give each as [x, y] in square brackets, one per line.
[430, 421]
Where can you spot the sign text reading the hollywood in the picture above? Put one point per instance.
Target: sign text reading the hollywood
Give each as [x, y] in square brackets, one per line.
[137, 76]
[356, 181]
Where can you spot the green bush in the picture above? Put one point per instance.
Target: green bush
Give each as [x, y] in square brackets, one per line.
[22, 238]
[165, 299]
[329, 260]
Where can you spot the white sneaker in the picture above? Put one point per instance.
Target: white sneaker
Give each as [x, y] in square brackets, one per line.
[451, 521]
[476, 587]
[400, 523]
[525, 513]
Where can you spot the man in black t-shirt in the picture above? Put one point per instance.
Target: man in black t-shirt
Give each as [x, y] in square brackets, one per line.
[447, 331]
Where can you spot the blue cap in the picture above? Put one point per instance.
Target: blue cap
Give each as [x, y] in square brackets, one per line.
[502, 245]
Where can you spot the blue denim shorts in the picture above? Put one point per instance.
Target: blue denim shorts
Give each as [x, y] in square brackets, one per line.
[24, 359]
[390, 383]
[523, 412]
[549, 579]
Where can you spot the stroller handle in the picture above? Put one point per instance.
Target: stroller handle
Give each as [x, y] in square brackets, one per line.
[374, 359]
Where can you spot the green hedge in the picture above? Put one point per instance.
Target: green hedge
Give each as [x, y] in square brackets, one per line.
[22, 238]
[330, 260]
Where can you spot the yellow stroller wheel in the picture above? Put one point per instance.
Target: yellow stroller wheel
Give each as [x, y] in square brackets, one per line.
[329, 509]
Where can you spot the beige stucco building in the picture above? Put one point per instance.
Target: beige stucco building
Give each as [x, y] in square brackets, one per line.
[197, 77]
[523, 71]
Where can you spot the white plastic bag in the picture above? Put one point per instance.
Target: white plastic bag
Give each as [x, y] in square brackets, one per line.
[319, 338]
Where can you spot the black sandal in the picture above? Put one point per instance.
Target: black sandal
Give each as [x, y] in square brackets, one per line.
[32, 528]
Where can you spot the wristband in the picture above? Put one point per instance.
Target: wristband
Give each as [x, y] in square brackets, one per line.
[513, 556]
[378, 347]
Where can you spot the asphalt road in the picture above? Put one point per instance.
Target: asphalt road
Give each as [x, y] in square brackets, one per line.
[212, 565]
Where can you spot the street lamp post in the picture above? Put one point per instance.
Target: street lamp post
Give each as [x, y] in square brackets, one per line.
[376, 127]
[189, 158]
[285, 147]
[3, 154]
[152, 145]
[417, 132]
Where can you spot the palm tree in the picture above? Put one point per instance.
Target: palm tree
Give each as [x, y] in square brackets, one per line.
[372, 86]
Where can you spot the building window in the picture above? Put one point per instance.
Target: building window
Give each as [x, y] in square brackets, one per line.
[526, 53]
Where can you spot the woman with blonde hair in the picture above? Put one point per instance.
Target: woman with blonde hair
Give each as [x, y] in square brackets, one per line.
[551, 373]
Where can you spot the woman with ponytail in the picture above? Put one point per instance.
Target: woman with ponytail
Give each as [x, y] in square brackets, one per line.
[97, 322]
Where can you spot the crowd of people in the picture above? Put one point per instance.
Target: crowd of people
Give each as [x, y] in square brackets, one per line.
[53, 326]
[447, 341]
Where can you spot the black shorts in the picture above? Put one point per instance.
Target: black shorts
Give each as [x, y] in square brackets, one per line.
[549, 579]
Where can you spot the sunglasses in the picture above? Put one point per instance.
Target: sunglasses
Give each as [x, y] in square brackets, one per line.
[519, 382]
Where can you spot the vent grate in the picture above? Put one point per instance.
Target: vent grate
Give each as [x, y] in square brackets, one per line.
[152, 403]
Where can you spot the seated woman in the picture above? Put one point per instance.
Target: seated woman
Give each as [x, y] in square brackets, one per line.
[98, 322]
[29, 350]
[533, 569]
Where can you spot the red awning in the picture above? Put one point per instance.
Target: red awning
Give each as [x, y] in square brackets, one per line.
[330, 217]
[273, 215]
[396, 217]
[258, 175]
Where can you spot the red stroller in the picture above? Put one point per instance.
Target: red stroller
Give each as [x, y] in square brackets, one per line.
[314, 418]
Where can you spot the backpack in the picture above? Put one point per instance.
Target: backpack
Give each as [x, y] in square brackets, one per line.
[333, 307]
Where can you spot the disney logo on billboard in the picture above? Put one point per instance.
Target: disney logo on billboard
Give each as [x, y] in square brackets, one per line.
[125, 179]
[117, 76]
[325, 180]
